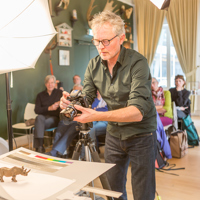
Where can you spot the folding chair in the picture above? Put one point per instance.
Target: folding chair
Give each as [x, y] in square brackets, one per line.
[29, 113]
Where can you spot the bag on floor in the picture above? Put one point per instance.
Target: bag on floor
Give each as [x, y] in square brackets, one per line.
[188, 125]
[160, 162]
[178, 143]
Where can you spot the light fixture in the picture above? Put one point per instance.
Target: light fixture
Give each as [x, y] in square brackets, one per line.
[73, 17]
[161, 4]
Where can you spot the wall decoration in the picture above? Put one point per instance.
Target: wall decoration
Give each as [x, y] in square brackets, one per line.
[64, 36]
[128, 29]
[65, 3]
[64, 57]
[128, 13]
[62, 5]
[109, 6]
[90, 8]
[131, 39]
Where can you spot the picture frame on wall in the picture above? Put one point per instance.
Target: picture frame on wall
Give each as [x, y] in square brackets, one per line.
[64, 58]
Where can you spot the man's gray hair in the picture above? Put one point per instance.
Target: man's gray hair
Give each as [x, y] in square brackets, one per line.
[48, 77]
[78, 86]
[109, 17]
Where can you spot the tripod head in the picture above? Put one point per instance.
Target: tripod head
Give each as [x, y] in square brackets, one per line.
[84, 127]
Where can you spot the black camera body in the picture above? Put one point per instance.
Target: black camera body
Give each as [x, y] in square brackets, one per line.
[76, 98]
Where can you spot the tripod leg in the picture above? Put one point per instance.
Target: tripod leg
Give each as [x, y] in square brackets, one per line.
[88, 158]
[77, 151]
[103, 177]
[87, 154]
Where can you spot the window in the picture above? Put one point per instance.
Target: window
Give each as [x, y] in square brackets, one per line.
[165, 65]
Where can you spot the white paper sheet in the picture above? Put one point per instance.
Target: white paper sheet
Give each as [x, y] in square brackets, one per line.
[34, 186]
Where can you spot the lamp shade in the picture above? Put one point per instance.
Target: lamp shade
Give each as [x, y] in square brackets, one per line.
[25, 30]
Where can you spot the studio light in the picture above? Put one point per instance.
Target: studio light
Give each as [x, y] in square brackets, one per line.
[161, 4]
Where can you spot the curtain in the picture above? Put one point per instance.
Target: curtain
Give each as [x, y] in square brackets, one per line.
[149, 21]
[182, 20]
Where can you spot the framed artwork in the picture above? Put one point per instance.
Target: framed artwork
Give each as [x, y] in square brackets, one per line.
[64, 57]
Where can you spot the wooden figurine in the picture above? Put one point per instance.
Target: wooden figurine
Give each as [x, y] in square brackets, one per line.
[14, 171]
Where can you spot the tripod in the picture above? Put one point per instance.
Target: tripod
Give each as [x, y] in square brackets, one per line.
[90, 151]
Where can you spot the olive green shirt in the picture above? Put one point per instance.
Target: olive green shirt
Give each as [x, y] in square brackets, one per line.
[129, 85]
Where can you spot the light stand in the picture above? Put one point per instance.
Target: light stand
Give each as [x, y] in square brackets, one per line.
[9, 113]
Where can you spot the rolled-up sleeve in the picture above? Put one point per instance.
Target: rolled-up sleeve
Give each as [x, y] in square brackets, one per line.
[140, 93]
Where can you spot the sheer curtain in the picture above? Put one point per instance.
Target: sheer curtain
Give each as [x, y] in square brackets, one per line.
[182, 20]
[149, 21]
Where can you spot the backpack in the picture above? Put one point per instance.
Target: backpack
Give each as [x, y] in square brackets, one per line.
[160, 162]
[188, 125]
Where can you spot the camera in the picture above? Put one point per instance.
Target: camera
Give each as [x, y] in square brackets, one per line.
[76, 98]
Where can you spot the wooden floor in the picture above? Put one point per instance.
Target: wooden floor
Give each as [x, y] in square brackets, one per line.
[186, 186]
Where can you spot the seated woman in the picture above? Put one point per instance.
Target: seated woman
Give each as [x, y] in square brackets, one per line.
[162, 101]
[181, 97]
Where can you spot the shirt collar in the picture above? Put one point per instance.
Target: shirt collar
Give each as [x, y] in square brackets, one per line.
[47, 92]
[119, 60]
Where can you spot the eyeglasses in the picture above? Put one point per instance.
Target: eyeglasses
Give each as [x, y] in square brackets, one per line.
[105, 42]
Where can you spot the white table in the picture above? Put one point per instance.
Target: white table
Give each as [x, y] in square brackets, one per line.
[82, 172]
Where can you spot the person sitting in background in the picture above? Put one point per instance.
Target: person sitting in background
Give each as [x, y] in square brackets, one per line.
[162, 101]
[66, 133]
[99, 127]
[181, 97]
[48, 109]
[76, 81]
[162, 139]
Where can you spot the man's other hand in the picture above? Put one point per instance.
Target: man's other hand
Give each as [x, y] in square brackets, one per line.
[88, 115]
[63, 101]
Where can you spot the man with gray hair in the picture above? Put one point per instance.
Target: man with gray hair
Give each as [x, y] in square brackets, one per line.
[122, 76]
[48, 109]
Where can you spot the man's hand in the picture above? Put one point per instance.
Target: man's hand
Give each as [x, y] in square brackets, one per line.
[63, 101]
[54, 106]
[88, 115]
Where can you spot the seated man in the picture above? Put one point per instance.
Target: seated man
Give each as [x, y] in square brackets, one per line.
[76, 81]
[66, 133]
[47, 108]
